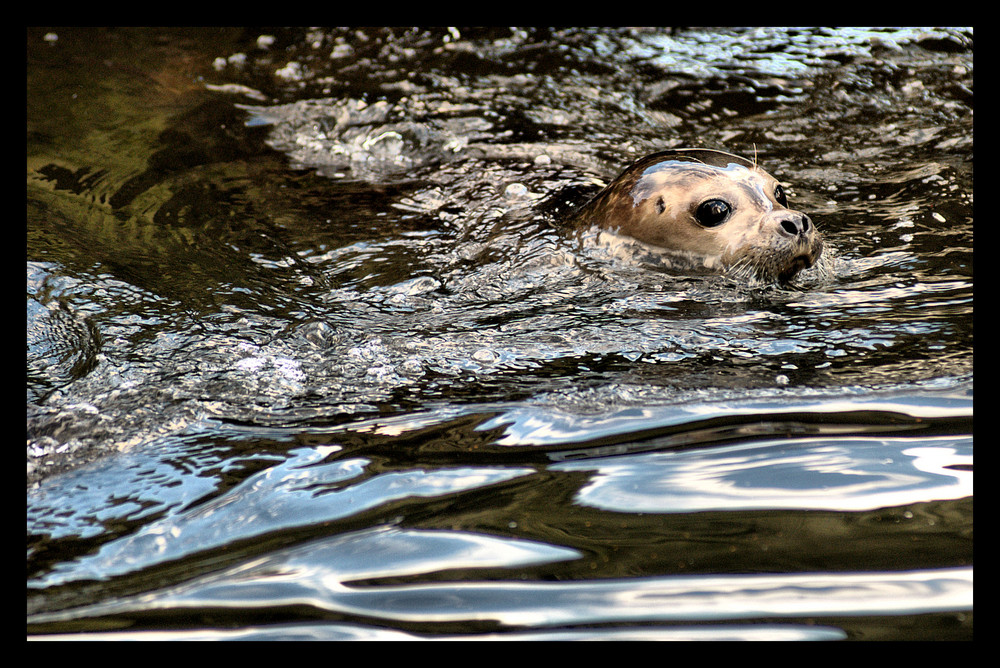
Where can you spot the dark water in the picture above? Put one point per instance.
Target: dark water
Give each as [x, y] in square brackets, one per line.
[310, 356]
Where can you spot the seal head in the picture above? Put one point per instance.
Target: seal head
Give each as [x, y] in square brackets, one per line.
[712, 205]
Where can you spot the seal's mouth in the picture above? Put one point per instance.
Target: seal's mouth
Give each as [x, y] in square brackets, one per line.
[798, 263]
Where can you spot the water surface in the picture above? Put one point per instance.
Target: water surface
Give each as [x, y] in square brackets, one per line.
[310, 355]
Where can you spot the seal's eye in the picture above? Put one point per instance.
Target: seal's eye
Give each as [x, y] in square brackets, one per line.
[779, 196]
[712, 213]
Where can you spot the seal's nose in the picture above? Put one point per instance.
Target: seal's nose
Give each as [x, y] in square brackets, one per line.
[796, 224]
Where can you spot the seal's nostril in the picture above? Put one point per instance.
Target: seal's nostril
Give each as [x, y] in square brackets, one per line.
[797, 225]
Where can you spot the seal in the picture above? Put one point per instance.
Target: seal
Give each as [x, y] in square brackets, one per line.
[713, 206]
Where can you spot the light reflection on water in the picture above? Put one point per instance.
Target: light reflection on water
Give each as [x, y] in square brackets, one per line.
[320, 575]
[335, 631]
[846, 474]
[314, 487]
[300, 492]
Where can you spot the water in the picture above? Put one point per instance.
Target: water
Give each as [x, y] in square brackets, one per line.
[310, 356]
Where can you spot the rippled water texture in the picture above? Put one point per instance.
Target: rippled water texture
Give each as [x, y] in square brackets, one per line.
[310, 354]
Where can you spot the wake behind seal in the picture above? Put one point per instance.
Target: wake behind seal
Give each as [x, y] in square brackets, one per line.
[715, 206]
